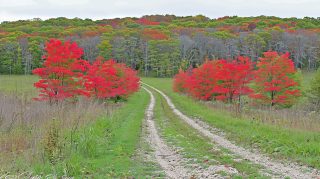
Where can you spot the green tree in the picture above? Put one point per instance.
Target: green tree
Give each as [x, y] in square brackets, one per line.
[105, 49]
[314, 93]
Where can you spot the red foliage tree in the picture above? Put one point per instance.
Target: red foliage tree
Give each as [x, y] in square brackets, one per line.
[153, 34]
[220, 79]
[201, 84]
[108, 79]
[144, 21]
[274, 79]
[180, 82]
[62, 72]
[233, 79]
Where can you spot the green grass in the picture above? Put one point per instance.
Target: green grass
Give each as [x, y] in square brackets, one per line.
[293, 144]
[20, 84]
[106, 147]
[195, 146]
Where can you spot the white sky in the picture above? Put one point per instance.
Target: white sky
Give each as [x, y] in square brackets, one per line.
[99, 9]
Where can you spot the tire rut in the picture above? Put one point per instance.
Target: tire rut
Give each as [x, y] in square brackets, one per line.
[167, 159]
[278, 169]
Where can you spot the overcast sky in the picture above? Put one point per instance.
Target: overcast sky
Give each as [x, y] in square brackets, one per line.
[99, 9]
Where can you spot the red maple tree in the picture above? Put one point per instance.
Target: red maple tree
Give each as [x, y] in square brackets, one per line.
[220, 80]
[233, 79]
[108, 79]
[201, 84]
[62, 74]
[274, 79]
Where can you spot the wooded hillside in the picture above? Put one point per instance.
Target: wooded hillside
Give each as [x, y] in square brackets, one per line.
[159, 45]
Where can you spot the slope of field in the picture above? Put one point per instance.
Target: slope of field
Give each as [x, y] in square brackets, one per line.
[280, 143]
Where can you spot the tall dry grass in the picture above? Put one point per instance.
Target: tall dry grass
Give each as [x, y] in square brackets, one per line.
[29, 130]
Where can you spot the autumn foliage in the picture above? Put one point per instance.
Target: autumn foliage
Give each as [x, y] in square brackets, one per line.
[275, 80]
[144, 21]
[228, 80]
[65, 75]
[62, 75]
[233, 79]
[108, 79]
[203, 81]
[180, 82]
[153, 34]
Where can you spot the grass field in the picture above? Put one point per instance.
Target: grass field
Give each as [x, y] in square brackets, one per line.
[293, 144]
[18, 84]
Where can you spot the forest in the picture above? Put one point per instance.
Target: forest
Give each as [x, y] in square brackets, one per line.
[160, 45]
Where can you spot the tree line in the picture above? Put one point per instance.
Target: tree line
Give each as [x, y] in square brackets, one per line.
[160, 45]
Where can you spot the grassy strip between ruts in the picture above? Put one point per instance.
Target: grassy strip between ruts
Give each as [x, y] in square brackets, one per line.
[197, 148]
[280, 143]
[106, 148]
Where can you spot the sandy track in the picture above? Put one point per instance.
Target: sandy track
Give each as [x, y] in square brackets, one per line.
[167, 159]
[278, 169]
